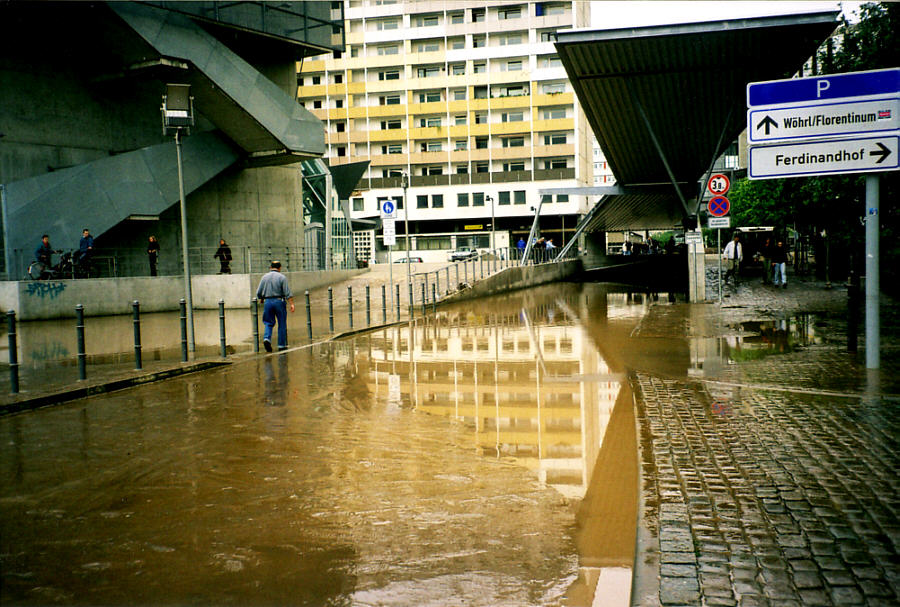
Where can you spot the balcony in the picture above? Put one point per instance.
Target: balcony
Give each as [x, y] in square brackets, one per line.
[511, 176]
[427, 180]
[554, 174]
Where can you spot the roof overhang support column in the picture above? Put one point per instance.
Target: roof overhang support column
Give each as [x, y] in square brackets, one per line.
[531, 233]
[712, 160]
[659, 150]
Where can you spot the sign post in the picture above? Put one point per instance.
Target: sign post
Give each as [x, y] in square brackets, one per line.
[389, 231]
[718, 208]
[831, 125]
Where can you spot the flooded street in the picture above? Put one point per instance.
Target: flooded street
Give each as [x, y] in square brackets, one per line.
[486, 455]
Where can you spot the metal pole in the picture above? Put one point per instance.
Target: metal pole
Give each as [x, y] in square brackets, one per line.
[411, 301]
[433, 298]
[184, 338]
[254, 318]
[873, 321]
[368, 308]
[437, 279]
[424, 297]
[13, 353]
[404, 181]
[136, 307]
[79, 333]
[457, 275]
[330, 310]
[466, 269]
[350, 305]
[719, 255]
[222, 342]
[398, 299]
[383, 304]
[184, 246]
[447, 269]
[308, 316]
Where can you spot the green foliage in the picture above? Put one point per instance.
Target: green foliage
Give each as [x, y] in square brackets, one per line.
[836, 204]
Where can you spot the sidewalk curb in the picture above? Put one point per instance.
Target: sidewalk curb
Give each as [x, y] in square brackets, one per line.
[56, 398]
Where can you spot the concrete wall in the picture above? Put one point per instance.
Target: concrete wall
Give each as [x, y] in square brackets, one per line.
[40, 300]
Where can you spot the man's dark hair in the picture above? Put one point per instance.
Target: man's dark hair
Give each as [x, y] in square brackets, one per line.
[45, 236]
[275, 264]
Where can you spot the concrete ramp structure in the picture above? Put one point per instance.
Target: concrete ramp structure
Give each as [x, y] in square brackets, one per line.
[82, 144]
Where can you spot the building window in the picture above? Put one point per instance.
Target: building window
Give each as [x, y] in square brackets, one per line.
[389, 100]
[430, 97]
[358, 204]
[393, 148]
[317, 79]
[480, 92]
[478, 15]
[340, 126]
[551, 61]
[477, 199]
[437, 201]
[479, 68]
[430, 121]
[432, 146]
[459, 119]
[512, 117]
[518, 165]
[338, 78]
[389, 49]
[317, 104]
[462, 169]
[555, 139]
[511, 39]
[461, 144]
[457, 17]
[428, 21]
[456, 43]
[341, 151]
[458, 69]
[555, 8]
[462, 199]
[562, 198]
[519, 197]
[548, 36]
[421, 201]
[553, 88]
[546, 198]
[502, 198]
[481, 167]
[390, 124]
[509, 13]
[433, 170]
[513, 142]
[555, 163]
[459, 95]
[480, 118]
[428, 72]
[514, 66]
[554, 113]
[428, 46]
[388, 24]
[481, 143]
[479, 41]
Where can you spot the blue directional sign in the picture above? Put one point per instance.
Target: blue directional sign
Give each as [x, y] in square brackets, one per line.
[817, 88]
[387, 208]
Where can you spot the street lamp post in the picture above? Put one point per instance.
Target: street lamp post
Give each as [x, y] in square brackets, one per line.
[404, 182]
[177, 117]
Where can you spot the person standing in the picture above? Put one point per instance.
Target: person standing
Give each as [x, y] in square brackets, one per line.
[779, 265]
[44, 253]
[223, 254]
[733, 254]
[86, 251]
[520, 247]
[765, 257]
[153, 254]
[274, 291]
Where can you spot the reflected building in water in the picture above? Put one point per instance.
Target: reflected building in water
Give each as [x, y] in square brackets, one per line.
[529, 382]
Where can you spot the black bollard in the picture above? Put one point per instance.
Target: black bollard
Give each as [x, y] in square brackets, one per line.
[383, 304]
[368, 308]
[433, 298]
[350, 306]
[254, 319]
[308, 316]
[222, 343]
[184, 337]
[330, 310]
[79, 334]
[13, 353]
[136, 307]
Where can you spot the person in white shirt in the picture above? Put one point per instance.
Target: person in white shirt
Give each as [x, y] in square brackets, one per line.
[733, 254]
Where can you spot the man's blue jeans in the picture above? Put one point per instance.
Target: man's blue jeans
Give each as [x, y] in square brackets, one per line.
[275, 310]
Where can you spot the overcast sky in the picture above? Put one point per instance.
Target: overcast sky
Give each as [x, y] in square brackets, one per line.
[615, 14]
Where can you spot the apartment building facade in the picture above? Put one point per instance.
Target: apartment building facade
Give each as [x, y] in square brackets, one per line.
[468, 100]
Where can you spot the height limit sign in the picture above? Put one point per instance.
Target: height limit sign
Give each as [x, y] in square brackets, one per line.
[718, 185]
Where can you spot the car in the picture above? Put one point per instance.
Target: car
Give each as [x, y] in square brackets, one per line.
[463, 253]
[408, 260]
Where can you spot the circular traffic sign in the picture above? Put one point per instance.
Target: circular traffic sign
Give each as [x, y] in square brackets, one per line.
[719, 206]
[388, 207]
[718, 185]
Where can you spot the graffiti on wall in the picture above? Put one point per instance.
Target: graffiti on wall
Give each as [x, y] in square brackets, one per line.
[45, 289]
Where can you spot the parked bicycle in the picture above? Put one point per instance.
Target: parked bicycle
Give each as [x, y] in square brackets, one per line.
[71, 265]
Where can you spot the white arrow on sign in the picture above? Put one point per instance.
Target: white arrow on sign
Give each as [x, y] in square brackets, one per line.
[866, 117]
[857, 155]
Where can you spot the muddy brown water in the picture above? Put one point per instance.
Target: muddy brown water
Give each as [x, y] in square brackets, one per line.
[484, 456]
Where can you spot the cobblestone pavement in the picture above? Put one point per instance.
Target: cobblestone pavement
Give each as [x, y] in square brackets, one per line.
[776, 482]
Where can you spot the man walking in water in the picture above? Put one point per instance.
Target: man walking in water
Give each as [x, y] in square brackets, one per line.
[274, 291]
